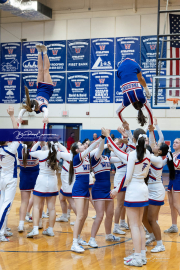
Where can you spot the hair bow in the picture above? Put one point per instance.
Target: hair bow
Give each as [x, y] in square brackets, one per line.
[169, 155]
[33, 109]
[56, 146]
[25, 147]
[141, 136]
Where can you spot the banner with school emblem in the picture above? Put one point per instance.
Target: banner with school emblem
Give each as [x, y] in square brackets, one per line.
[58, 95]
[10, 57]
[10, 88]
[102, 54]
[102, 87]
[77, 87]
[127, 47]
[30, 56]
[78, 54]
[57, 55]
[149, 50]
[30, 81]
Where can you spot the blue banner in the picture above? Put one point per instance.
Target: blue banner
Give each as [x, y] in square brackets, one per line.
[102, 54]
[58, 95]
[118, 91]
[127, 47]
[29, 57]
[102, 87]
[57, 55]
[30, 81]
[10, 57]
[149, 50]
[78, 54]
[77, 87]
[10, 88]
[148, 76]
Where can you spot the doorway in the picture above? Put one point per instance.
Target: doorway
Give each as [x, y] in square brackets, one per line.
[66, 131]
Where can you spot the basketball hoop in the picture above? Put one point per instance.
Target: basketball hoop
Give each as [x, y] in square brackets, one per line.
[175, 102]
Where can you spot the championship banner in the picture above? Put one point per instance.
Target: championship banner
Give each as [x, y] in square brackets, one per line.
[148, 76]
[58, 95]
[77, 87]
[10, 57]
[10, 88]
[127, 47]
[149, 50]
[78, 54]
[102, 87]
[57, 55]
[30, 57]
[102, 54]
[30, 81]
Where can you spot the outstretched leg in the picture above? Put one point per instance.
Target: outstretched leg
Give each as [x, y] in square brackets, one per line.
[119, 112]
[40, 77]
[47, 77]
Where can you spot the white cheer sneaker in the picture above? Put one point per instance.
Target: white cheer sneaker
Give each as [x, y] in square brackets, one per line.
[158, 249]
[92, 243]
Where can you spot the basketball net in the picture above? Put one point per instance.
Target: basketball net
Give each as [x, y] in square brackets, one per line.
[175, 102]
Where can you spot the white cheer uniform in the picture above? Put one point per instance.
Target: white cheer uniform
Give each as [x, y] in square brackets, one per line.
[155, 185]
[46, 183]
[8, 163]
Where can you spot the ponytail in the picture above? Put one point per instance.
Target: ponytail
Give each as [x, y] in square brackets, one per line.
[140, 143]
[170, 164]
[26, 147]
[52, 156]
[30, 103]
[74, 146]
[142, 120]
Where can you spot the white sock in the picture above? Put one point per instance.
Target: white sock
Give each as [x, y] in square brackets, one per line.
[40, 220]
[50, 229]
[122, 221]
[116, 225]
[35, 228]
[151, 235]
[45, 52]
[28, 214]
[21, 223]
[92, 238]
[75, 240]
[68, 211]
[159, 243]
[143, 253]
[39, 52]
[174, 225]
[137, 256]
[64, 215]
[108, 235]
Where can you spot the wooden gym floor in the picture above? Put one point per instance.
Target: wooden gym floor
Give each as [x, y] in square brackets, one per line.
[45, 252]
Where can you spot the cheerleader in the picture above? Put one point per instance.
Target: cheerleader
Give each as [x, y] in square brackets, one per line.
[101, 195]
[44, 86]
[29, 170]
[80, 167]
[46, 186]
[8, 178]
[174, 188]
[136, 197]
[119, 175]
[66, 189]
[156, 193]
[129, 72]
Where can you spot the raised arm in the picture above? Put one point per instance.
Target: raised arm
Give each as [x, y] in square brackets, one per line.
[99, 151]
[90, 148]
[10, 111]
[62, 148]
[21, 113]
[65, 156]
[118, 152]
[35, 146]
